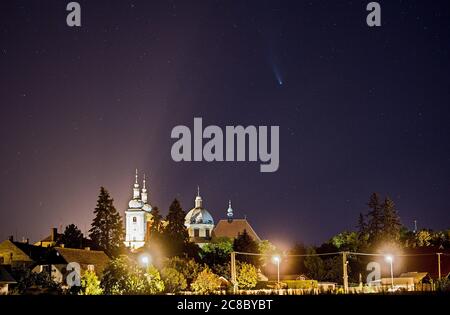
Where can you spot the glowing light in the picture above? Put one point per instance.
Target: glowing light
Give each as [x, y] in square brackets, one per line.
[145, 260]
[276, 259]
[389, 258]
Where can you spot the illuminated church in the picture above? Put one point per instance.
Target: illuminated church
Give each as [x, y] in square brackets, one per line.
[198, 221]
[137, 217]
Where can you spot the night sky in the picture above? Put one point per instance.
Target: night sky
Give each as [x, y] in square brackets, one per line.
[360, 110]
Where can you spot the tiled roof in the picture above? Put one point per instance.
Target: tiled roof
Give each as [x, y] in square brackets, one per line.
[232, 229]
[49, 238]
[35, 253]
[417, 276]
[84, 257]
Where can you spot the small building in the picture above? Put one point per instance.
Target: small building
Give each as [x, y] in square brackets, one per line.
[21, 254]
[88, 259]
[422, 280]
[410, 281]
[400, 283]
[51, 240]
[5, 280]
[56, 239]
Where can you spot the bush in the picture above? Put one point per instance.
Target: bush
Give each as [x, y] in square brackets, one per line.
[206, 283]
[29, 282]
[154, 284]
[90, 285]
[187, 267]
[247, 276]
[174, 281]
[124, 276]
[443, 285]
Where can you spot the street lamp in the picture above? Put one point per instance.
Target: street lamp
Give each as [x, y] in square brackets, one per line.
[390, 260]
[277, 260]
[145, 260]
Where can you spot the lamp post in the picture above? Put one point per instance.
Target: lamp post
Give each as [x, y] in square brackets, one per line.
[145, 259]
[277, 260]
[390, 260]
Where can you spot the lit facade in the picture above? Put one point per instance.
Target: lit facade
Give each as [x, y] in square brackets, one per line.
[199, 222]
[137, 217]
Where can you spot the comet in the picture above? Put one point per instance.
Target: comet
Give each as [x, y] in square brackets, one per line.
[277, 74]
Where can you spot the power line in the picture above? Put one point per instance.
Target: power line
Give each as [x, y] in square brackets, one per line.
[395, 255]
[290, 255]
[340, 253]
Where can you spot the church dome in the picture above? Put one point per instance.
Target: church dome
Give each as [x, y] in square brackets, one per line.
[147, 207]
[198, 216]
[135, 204]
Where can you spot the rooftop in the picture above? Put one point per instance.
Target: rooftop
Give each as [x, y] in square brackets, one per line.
[232, 229]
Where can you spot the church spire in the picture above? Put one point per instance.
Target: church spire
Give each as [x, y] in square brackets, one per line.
[229, 212]
[144, 191]
[198, 199]
[136, 193]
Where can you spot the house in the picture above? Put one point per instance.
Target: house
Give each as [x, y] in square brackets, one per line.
[422, 280]
[51, 240]
[410, 281]
[56, 239]
[403, 283]
[5, 280]
[60, 257]
[21, 254]
[418, 277]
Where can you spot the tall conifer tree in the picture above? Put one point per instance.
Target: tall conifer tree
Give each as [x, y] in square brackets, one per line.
[107, 229]
[375, 220]
[175, 233]
[391, 221]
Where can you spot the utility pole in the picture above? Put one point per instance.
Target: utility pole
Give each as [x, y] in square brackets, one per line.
[344, 271]
[439, 265]
[233, 272]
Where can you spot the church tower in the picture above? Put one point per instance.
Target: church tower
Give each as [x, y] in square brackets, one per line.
[199, 222]
[136, 217]
[230, 212]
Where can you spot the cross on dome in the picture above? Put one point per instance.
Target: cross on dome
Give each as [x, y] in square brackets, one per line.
[198, 199]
